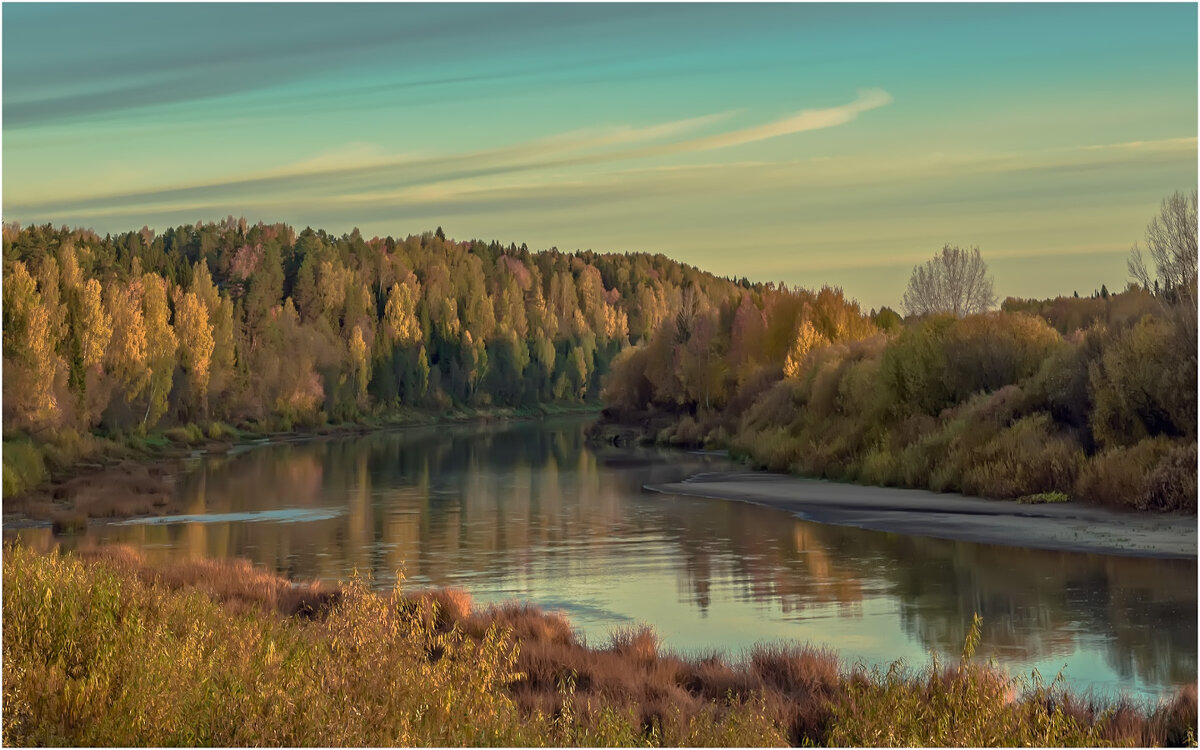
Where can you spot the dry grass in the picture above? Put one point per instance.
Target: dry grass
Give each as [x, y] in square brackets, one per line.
[106, 648]
[237, 584]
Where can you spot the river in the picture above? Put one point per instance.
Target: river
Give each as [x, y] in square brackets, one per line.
[531, 511]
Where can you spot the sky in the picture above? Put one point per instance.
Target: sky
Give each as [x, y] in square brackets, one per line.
[810, 144]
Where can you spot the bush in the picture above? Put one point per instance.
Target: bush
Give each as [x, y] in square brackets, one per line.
[189, 434]
[774, 449]
[1028, 458]
[1120, 476]
[1172, 484]
[878, 466]
[686, 432]
[627, 388]
[780, 406]
[987, 352]
[1144, 385]
[24, 467]
[914, 369]
[220, 431]
[997, 404]
[1061, 385]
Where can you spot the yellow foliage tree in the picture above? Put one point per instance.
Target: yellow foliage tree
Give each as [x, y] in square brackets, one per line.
[160, 345]
[359, 357]
[807, 338]
[49, 285]
[220, 315]
[31, 365]
[126, 356]
[96, 325]
[399, 314]
[195, 337]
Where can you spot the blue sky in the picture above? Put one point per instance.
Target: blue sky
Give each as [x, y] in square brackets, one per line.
[812, 144]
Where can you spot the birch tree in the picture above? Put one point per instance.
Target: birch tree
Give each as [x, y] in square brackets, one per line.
[956, 281]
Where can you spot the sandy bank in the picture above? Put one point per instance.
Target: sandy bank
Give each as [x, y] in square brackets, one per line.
[1061, 526]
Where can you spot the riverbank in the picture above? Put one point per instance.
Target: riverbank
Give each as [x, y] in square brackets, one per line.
[97, 477]
[1070, 526]
[106, 649]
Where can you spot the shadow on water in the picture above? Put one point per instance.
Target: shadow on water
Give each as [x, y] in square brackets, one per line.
[531, 511]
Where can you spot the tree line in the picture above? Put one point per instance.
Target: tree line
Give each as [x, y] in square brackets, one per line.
[263, 326]
[1042, 400]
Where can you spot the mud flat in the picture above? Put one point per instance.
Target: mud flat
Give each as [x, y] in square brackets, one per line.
[1068, 526]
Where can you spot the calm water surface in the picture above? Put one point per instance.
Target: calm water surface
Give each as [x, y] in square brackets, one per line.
[530, 511]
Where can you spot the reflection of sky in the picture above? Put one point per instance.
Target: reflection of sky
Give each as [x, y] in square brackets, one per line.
[838, 143]
[522, 512]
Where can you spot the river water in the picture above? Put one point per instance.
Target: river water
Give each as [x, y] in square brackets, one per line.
[531, 511]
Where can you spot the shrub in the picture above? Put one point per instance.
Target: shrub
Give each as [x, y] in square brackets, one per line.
[780, 406]
[987, 352]
[1061, 385]
[1172, 483]
[914, 369]
[686, 432]
[189, 434]
[774, 449]
[1120, 476]
[1144, 385]
[627, 388]
[1026, 458]
[878, 466]
[24, 467]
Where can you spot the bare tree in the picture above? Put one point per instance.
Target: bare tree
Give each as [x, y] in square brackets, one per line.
[955, 281]
[1171, 240]
[685, 319]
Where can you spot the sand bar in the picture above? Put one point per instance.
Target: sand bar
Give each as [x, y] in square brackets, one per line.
[1061, 526]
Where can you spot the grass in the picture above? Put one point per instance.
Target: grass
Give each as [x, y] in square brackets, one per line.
[105, 648]
[1043, 497]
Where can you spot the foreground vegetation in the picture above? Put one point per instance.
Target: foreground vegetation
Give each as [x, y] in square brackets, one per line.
[107, 649]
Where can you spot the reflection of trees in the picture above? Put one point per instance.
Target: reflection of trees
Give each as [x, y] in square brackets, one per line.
[509, 500]
[1163, 593]
[1034, 603]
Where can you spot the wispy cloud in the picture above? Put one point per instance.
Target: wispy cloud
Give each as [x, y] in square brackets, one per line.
[1159, 145]
[810, 119]
[357, 168]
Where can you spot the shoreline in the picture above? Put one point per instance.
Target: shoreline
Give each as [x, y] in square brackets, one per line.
[137, 479]
[1069, 526]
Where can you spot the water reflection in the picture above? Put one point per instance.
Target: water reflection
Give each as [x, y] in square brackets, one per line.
[531, 511]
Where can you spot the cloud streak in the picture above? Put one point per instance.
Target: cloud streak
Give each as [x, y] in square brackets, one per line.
[811, 119]
[317, 178]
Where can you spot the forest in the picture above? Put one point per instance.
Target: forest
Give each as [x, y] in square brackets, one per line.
[264, 328]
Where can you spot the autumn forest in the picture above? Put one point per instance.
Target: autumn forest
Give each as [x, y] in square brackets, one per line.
[266, 328]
